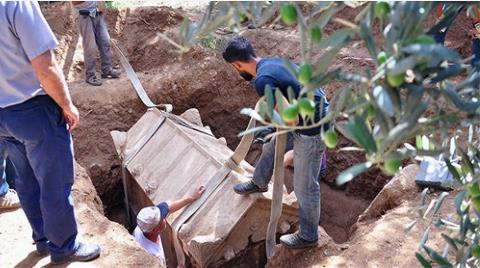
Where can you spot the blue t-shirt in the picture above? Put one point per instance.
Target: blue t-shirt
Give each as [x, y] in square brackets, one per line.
[164, 209]
[24, 35]
[272, 72]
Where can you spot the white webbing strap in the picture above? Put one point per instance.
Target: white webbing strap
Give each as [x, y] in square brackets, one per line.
[276, 208]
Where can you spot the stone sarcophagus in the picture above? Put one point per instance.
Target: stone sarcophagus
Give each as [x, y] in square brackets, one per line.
[164, 157]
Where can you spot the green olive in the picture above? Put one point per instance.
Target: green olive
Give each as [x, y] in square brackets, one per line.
[316, 34]
[306, 107]
[381, 57]
[305, 73]
[392, 166]
[290, 114]
[395, 80]
[330, 138]
[289, 14]
[381, 9]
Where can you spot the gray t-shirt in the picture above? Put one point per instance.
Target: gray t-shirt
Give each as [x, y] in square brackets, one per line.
[24, 35]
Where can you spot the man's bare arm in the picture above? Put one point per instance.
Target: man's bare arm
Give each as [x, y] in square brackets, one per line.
[51, 77]
[186, 200]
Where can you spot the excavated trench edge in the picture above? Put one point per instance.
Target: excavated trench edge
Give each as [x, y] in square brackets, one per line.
[253, 256]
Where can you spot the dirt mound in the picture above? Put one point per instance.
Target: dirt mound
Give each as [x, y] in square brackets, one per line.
[397, 190]
[380, 242]
[118, 247]
[139, 40]
[199, 79]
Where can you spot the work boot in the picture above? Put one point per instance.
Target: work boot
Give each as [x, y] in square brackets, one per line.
[9, 200]
[42, 248]
[94, 81]
[294, 241]
[83, 252]
[248, 187]
[113, 73]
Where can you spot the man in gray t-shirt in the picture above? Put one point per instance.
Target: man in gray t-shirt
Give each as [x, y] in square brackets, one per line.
[36, 117]
[93, 30]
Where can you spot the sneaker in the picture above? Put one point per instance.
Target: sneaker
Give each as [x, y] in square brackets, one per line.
[114, 73]
[9, 200]
[42, 248]
[294, 241]
[248, 188]
[94, 81]
[84, 252]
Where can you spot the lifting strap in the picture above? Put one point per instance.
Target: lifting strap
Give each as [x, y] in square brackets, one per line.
[137, 85]
[237, 157]
[276, 208]
[212, 184]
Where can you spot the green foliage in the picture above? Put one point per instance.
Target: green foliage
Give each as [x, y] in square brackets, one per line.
[416, 90]
[460, 231]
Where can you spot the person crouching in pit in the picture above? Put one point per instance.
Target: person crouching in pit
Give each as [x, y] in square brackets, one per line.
[151, 221]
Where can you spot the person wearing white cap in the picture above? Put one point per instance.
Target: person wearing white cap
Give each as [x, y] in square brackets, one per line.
[151, 222]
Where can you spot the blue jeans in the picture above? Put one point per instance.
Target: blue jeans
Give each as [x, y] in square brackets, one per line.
[95, 35]
[40, 148]
[308, 151]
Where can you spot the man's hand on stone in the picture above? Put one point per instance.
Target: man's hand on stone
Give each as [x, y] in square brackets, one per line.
[197, 193]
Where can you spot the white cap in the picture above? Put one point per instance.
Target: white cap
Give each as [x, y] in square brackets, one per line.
[148, 218]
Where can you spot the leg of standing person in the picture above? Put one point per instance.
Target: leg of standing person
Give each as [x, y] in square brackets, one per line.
[307, 161]
[85, 26]
[44, 164]
[263, 169]
[103, 42]
[10, 173]
[29, 193]
[8, 197]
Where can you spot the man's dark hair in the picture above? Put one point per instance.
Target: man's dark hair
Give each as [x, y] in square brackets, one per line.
[239, 49]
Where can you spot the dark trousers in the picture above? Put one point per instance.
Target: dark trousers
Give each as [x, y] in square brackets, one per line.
[40, 148]
[10, 173]
[95, 35]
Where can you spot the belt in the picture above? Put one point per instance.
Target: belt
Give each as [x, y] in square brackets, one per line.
[85, 12]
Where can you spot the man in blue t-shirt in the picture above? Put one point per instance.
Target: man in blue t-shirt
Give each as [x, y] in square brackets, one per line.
[307, 144]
